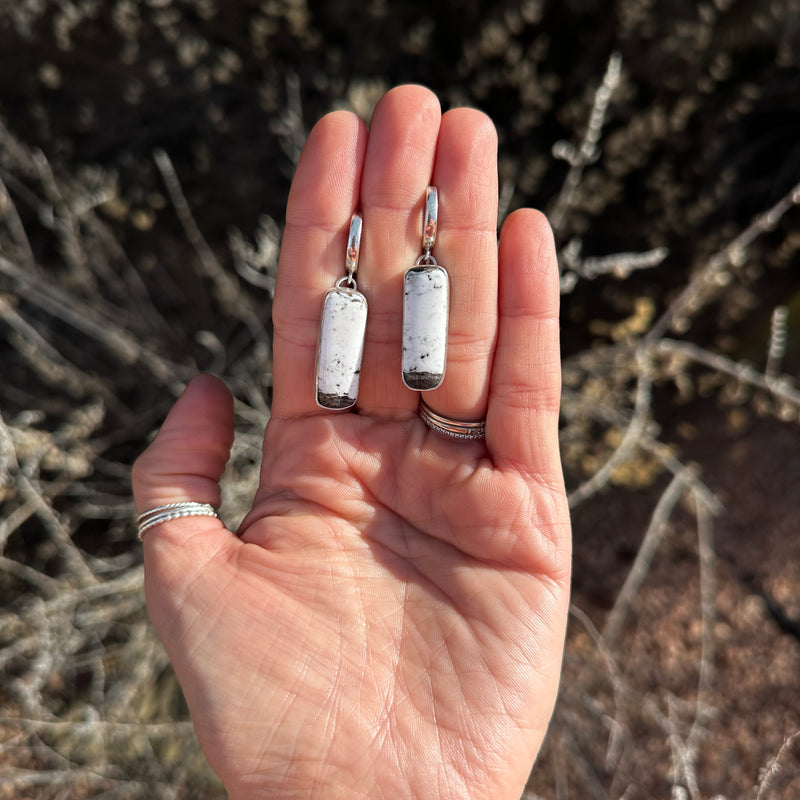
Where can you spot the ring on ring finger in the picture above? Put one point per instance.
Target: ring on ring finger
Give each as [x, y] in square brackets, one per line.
[451, 428]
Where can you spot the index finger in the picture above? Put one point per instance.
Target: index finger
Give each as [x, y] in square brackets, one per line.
[323, 197]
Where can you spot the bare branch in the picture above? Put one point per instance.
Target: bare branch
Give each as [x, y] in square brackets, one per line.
[736, 369]
[644, 558]
[588, 151]
[733, 254]
[633, 434]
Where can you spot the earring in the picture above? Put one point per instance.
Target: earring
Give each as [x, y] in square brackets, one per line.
[426, 307]
[341, 333]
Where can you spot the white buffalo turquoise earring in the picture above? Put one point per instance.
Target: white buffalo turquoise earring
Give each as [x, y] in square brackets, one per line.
[341, 333]
[426, 308]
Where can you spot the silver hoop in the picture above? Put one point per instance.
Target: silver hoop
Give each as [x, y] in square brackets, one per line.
[353, 245]
[431, 223]
[451, 428]
[188, 508]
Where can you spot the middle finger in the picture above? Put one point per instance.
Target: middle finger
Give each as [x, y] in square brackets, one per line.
[397, 169]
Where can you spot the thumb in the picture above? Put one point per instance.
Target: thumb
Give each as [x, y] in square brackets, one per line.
[187, 457]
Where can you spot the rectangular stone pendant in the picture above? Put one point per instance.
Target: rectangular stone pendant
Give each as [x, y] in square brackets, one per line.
[426, 308]
[340, 347]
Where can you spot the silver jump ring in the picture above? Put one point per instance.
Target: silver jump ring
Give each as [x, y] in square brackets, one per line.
[426, 260]
[188, 508]
[452, 428]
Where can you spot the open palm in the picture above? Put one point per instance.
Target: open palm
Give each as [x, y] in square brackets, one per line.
[388, 621]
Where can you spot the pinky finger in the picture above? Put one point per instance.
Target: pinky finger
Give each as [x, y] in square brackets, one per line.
[522, 423]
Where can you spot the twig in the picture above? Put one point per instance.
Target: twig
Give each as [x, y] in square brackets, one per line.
[44, 357]
[684, 778]
[621, 265]
[782, 389]
[579, 158]
[258, 263]
[613, 416]
[65, 221]
[80, 727]
[19, 778]
[733, 254]
[619, 730]
[680, 471]
[59, 532]
[707, 558]
[289, 127]
[15, 226]
[636, 427]
[774, 766]
[44, 583]
[641, 565]
[104, 330]
[233, 300]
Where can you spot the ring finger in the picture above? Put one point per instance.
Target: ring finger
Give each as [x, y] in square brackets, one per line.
[465, 175]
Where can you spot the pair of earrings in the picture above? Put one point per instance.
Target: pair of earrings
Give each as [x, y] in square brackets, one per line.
[426, 303]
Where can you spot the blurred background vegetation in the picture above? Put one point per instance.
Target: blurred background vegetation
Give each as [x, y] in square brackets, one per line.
[146, 150]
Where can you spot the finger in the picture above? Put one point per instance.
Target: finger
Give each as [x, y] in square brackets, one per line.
[187, 457]
[465, 175]
[522, 422]
[323, 197]
[397, 171]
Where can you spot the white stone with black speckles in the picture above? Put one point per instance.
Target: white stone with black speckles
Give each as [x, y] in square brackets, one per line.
[340, 347]
[426, 308]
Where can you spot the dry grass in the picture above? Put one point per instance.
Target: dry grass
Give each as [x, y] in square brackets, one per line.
[122, 276]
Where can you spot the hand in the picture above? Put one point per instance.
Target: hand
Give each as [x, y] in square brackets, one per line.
[388, 622]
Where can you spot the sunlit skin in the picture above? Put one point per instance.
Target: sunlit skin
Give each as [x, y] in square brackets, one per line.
[388, 621]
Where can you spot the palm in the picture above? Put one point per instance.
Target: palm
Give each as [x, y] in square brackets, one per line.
[388, 622]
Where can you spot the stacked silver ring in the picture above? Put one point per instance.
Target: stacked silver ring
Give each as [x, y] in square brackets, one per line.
[452, 428]
[155, 516]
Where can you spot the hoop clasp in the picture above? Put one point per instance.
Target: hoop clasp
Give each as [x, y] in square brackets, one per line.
[431, 220]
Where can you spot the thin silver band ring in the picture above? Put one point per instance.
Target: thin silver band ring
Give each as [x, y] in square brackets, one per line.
[188, 508]
[451, 428]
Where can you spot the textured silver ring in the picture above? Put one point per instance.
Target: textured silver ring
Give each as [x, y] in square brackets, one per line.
[188, 508]
[452, 428]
